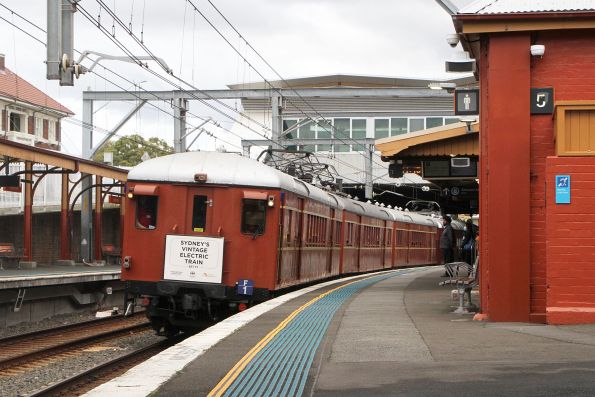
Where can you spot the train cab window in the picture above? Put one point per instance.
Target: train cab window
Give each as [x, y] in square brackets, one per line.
[253, 216]
[199, 214]
[146, 212]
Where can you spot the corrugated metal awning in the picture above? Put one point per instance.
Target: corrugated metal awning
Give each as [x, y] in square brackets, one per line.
[439, 141]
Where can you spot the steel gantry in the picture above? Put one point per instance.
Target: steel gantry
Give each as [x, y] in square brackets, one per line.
[276, 97]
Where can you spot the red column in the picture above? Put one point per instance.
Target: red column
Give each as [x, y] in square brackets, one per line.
[28, 214]
[64, 225]
[505, 177]
[97, 222]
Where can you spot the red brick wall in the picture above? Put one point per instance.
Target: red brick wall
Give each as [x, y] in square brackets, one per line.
[570, 241]
[568, 66]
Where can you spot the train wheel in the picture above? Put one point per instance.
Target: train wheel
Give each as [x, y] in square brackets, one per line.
[163, 328]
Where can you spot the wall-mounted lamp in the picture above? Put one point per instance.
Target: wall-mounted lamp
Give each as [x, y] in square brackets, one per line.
[468, 120]
[537, 50]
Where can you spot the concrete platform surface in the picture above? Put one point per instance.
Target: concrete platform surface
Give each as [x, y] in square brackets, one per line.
[56, 275]
[396, 337]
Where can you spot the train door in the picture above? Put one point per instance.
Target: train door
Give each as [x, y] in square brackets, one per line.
[199, 213]
[299, 221]
[384, 244]
[358, 241]
[330, 242]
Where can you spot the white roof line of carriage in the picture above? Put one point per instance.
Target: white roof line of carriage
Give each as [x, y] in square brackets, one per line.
[231, 169]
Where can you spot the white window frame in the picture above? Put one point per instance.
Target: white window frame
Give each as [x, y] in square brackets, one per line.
[52, 130]
[38, 128]
[23, 121]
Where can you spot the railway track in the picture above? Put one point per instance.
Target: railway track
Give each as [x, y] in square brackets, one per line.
[21, 353]
[93, 377]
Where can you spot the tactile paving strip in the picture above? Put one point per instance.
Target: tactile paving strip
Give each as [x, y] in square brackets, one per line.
[281, 366]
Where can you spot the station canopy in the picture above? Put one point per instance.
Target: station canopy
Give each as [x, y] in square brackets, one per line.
[447, 156]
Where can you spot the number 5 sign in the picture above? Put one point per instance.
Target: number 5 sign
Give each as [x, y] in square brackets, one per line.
[542, 100]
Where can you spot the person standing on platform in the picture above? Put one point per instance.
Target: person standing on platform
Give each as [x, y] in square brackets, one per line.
[468, 244]
[447, 240]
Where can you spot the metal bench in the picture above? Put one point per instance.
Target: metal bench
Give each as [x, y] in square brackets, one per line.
[464, 285]
[111, 253]
[9, 255]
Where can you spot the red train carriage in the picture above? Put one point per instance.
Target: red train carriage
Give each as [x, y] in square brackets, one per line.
[205, 232]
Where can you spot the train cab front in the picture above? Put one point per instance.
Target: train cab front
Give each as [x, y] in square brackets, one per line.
[177, 253]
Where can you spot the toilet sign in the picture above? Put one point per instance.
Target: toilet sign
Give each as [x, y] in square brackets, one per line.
[562, 189]
[466, 102]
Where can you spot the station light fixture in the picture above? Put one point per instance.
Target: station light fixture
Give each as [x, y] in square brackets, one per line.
[200, 177]
[537, 50]
[448, 86]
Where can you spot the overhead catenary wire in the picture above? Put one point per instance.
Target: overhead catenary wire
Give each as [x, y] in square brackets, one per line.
[160, 62]
[326, 123]
[125, 49]
[248, 45]
[95, 128]
[195, 88]
[73, 120]
[140, 63]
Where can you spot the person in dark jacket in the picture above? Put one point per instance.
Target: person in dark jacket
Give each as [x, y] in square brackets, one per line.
[468, 244]
[447, 240]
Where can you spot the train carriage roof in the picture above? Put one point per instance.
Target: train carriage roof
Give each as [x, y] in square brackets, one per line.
[231, 169]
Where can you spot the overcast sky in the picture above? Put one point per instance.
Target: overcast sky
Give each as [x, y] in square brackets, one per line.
[299, 38]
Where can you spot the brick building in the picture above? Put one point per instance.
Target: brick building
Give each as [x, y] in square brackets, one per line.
[537, 252]
[28, 115]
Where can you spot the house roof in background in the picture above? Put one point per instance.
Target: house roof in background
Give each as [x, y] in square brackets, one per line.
[15, 87]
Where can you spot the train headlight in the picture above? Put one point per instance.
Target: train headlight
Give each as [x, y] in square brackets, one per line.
[130, 195]
[271, 201]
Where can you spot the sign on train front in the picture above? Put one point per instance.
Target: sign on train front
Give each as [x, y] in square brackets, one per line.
[191, 258]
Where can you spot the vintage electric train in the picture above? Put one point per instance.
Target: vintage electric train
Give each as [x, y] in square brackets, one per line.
[206, 233]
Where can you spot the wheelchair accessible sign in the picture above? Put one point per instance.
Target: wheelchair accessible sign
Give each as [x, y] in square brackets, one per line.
[562, 189]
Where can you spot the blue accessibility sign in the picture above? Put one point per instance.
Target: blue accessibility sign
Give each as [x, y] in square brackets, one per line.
[245, 287]
[562, 189]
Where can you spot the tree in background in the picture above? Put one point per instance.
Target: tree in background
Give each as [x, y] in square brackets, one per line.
[129, 150]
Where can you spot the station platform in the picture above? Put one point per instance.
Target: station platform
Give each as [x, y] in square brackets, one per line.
[43, 276]
[386, 334]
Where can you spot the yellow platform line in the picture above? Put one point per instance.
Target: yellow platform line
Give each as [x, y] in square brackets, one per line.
[232, 375]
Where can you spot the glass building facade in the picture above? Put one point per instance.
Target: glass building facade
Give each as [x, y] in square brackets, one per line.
[345, 129]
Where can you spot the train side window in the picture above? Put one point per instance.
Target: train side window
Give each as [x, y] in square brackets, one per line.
[253, 216]
[146, 212]
[199, 214]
